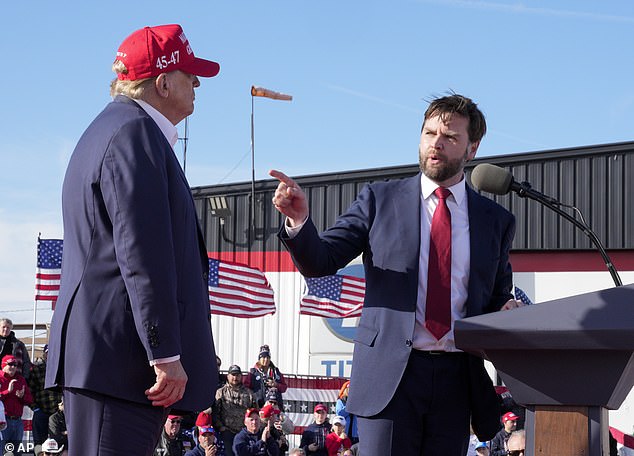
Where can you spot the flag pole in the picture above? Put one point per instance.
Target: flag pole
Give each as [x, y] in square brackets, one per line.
[259, 92]
[35, 305]
[252, 215]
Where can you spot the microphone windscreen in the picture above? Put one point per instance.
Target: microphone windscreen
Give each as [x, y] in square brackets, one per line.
[492, 179]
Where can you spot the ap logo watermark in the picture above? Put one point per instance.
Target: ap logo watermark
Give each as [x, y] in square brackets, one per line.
[24, 448]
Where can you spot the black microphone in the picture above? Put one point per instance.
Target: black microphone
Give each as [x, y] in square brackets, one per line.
[496, 180]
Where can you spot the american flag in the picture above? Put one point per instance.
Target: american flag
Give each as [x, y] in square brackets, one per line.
[238, 290]
[521, 296]
[49, 270]
[335, 296]
[304, 392]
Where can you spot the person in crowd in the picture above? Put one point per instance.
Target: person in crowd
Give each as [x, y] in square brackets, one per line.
[131, 322]
[297, 452]
[232, 401]
[338, 441]
[270, 417]
[482, 449]
[57, 426]
[11, 345]
[313, 440]
[499, 442]
[170, 443]
[341, 410]
[265, 377]
[50, 447]
[208, 443]
[15, 394]
[288, 427]
[517, 443]
[255, 440]
[45, 401]
[434, 251]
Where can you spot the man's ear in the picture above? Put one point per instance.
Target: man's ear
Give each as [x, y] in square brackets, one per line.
[162, 85]
[472, 148]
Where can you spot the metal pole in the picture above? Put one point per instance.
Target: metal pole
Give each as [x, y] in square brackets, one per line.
[252, 221]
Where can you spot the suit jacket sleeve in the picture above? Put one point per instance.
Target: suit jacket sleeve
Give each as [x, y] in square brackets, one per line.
[135, 192]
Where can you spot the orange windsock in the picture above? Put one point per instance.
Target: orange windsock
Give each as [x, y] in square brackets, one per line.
[262, 92]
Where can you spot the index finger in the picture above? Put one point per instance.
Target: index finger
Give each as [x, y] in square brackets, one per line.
[280, 176]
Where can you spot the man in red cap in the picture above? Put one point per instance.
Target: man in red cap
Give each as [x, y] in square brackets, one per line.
[499, 445]
[254, 440]
[14, 394]
[132, 318]
[314, 436]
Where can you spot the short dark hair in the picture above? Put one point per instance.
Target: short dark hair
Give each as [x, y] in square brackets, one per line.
[454, 103]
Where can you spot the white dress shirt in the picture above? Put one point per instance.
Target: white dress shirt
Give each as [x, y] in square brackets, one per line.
[460, 258]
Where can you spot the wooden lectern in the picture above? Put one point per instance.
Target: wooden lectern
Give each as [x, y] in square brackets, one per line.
[568, 361]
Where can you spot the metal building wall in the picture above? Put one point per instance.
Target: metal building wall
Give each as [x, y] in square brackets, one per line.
[598, 180]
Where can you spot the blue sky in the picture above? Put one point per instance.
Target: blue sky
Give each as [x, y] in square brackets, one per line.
[547, 74]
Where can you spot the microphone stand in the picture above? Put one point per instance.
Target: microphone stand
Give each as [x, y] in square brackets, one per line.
[524, 190]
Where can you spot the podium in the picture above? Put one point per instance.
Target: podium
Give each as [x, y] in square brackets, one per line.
[567, 361]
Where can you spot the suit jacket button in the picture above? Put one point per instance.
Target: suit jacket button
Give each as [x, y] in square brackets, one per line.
[206, 276]
[408, 342]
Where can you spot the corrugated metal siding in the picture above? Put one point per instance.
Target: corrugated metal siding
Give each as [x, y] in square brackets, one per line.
[598, 180]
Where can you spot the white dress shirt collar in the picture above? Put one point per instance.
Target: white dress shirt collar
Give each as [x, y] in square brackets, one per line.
[459, 190]
[167, 128]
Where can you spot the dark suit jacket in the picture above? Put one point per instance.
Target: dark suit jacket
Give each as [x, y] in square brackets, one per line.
[134, 266]
[383, 224]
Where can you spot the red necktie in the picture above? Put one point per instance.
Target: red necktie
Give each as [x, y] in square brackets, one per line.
[438, 306]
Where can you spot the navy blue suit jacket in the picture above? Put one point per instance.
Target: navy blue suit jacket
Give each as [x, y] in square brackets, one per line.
[134, 267]
[383, 224]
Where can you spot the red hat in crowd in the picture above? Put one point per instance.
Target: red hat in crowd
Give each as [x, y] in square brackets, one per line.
[7, 359]
[250, 411]
[151, 51]
[320, 407]
[173, 417]
[509, 416]
[269, 410]
[203, 419]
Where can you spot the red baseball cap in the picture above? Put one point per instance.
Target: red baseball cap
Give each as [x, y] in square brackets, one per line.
[151, 51]
[250, 411]
[509, 416]
[269, 410]
[320, 407]
[7, 359]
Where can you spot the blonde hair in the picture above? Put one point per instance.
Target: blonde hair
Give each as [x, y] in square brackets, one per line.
[132, 89]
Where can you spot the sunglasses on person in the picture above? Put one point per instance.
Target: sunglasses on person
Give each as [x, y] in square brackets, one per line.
[177, 421]
[516, 452]
[12, 364]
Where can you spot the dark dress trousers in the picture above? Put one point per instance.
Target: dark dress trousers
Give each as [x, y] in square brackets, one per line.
[134, 267]
[384, 224]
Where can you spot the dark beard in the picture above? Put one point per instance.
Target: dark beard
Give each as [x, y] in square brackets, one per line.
[447, 170]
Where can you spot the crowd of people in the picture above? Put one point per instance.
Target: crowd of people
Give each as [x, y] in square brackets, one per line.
[246, 418]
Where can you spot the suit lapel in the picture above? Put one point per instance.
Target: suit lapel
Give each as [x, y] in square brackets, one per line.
[479, 235]
[407, 208]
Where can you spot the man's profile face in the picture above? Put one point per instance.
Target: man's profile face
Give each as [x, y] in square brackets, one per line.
[181, 95]
[510, 425]
[445, 148]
